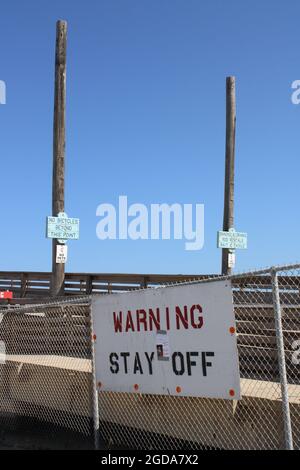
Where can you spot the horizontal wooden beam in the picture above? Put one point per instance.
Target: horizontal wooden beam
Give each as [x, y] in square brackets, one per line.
[32, 284]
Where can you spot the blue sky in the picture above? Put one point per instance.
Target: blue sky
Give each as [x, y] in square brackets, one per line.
[146, 118]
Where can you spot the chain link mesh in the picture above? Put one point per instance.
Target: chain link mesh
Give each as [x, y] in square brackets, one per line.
[289, 293]
[46, 374]
[45, 367]
[256, 421]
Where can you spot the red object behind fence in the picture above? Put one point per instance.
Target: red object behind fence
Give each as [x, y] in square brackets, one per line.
[6, 295]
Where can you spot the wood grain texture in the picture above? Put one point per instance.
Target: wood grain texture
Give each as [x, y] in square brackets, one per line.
[228, 218]
[59, 130]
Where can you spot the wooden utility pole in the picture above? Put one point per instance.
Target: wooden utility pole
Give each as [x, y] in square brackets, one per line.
[58, 181]
[228, 218]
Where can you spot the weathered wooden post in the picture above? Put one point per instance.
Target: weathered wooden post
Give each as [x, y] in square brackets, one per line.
[228, 218]
[58, 181]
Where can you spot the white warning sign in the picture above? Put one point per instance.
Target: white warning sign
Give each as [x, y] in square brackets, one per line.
[177, 340]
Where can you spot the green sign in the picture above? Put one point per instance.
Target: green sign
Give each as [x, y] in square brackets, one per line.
[62, 227]
[232, 239]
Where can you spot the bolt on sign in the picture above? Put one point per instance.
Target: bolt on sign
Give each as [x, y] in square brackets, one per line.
[177, 340]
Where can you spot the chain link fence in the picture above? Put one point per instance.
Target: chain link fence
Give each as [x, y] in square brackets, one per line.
[45, 369]
[46, 375]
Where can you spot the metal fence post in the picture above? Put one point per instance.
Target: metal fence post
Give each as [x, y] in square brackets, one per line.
[281, 362]
[94, 387]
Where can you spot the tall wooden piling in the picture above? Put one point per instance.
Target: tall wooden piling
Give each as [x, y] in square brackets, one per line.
[58, 180]
[228, 217]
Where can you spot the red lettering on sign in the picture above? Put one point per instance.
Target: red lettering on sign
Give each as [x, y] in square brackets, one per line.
[141, 319]
[180, 317]
[167, 318]
[118, 322]
[158, 319]
[154, 319]
[129, 322]
[200, 318]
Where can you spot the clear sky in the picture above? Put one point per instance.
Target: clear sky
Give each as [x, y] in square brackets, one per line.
[146, 118]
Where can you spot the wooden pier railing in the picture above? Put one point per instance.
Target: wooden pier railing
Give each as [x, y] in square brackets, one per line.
[26, 285]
